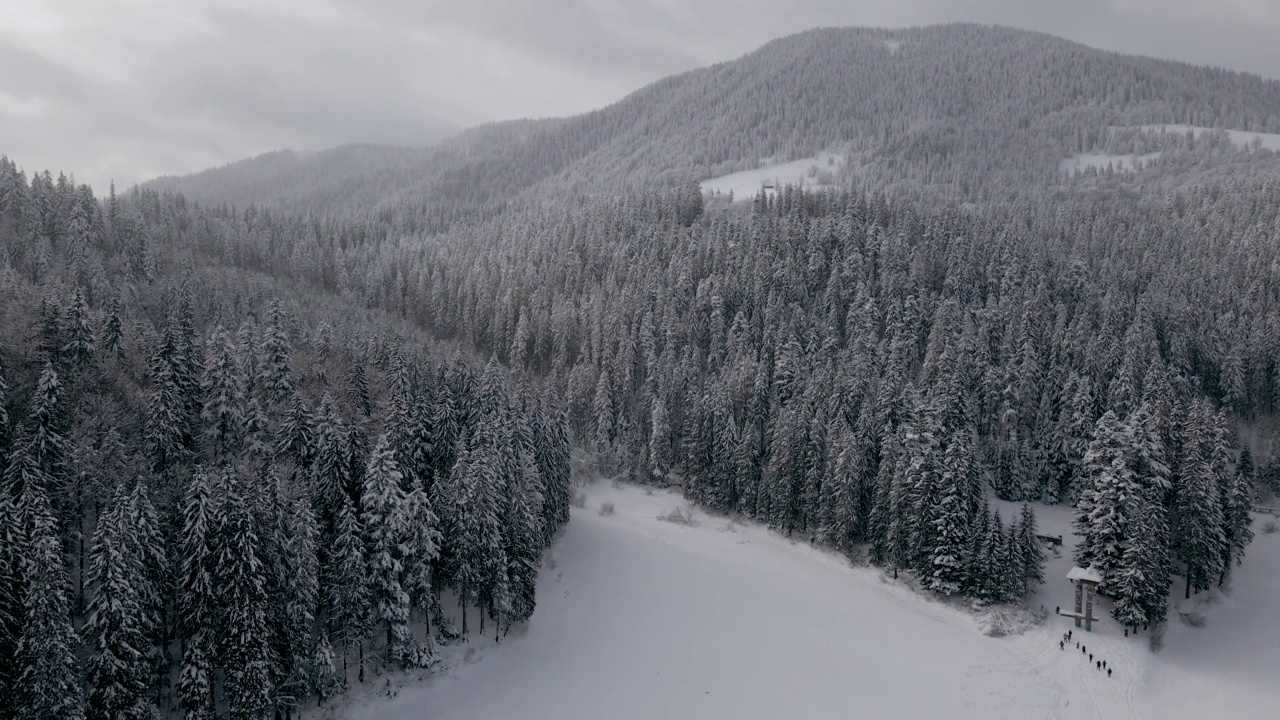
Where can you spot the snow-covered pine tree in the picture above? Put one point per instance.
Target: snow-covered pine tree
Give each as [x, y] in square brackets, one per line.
[556, 470]
[80, 346]
[113, 340]
[44, 442]
[1199, 535]
[995, 563]
[49, 682]
[12, 596]
[1140, 583]
[421, 549]
[197, 602]
[1099, 517]
[603, 414]
[357, 386]
[164, 430]
[1236, 496]
[952, 524]
[222, 387]
[147, 544]
[345, 582]
[242, 637]
[1032, 552]
[330, 473]
[659, 441]
[523, 538]
[118, 628]
[836, 507]
[382, 516]
[276, 356]
[293, 588]
[483, 536]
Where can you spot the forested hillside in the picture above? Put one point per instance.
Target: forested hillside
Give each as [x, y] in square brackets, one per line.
[222, 492]
[967, 110]
[238, 473]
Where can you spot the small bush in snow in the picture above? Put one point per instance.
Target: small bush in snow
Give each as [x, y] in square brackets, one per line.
[579, 500]
[1194, 618]
[1270, 527]
[1001, 620]
[606, 508]
[1157, 639]
[679, 516]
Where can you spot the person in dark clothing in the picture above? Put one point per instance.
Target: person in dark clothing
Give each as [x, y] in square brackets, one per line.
[1061, 645]
[1099, 665]
[1108, 672]
[1104, 663]
[1058, 610]
[1091, 660]
[1077, 645]
[1069, 634]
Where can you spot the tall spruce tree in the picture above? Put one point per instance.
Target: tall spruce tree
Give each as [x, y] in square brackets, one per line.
[49, 683]
[242, 639]
[383, 519]
[12, 597]
[118, 627]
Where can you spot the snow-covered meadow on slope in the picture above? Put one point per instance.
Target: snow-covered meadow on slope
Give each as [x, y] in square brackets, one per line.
[1239, 138]
[641, 618]
[1101, 161]
[812, 173]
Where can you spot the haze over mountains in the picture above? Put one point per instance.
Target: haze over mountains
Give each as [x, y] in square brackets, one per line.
[961, 105]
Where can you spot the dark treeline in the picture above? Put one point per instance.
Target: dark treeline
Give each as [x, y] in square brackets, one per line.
[224, 497]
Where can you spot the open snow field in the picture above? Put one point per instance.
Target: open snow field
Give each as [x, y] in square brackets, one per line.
[1118, 163]
[1241, 138]
[640, 618]
[746, 184]
[1131, 162]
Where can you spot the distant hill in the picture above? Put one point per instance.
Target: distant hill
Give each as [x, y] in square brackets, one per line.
[964, 106]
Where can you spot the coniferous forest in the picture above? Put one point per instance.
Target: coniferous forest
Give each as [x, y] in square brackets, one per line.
[251, 455]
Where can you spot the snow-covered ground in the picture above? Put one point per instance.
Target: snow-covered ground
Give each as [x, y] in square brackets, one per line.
[1241, 138]
[1119, 163]
[808, 172]
[640, 618]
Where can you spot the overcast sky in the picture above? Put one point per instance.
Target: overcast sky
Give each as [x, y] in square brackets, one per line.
[129, 89]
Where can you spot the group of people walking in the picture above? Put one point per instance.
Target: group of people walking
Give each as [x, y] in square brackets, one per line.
[1084, 650]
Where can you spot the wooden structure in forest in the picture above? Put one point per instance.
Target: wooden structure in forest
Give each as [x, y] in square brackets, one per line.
[1086, 581]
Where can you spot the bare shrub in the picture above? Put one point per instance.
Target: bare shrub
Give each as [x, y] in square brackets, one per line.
[579, 500]
[1157, 639]
[1270, 527]
[680, 516]
[1002, 620]
[606, 509]
[1194, 618]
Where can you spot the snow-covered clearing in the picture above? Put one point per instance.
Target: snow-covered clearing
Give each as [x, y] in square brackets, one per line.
[812, 173]
[1240, 138]
[640, 618]
[893, 46]
[1118, 163]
